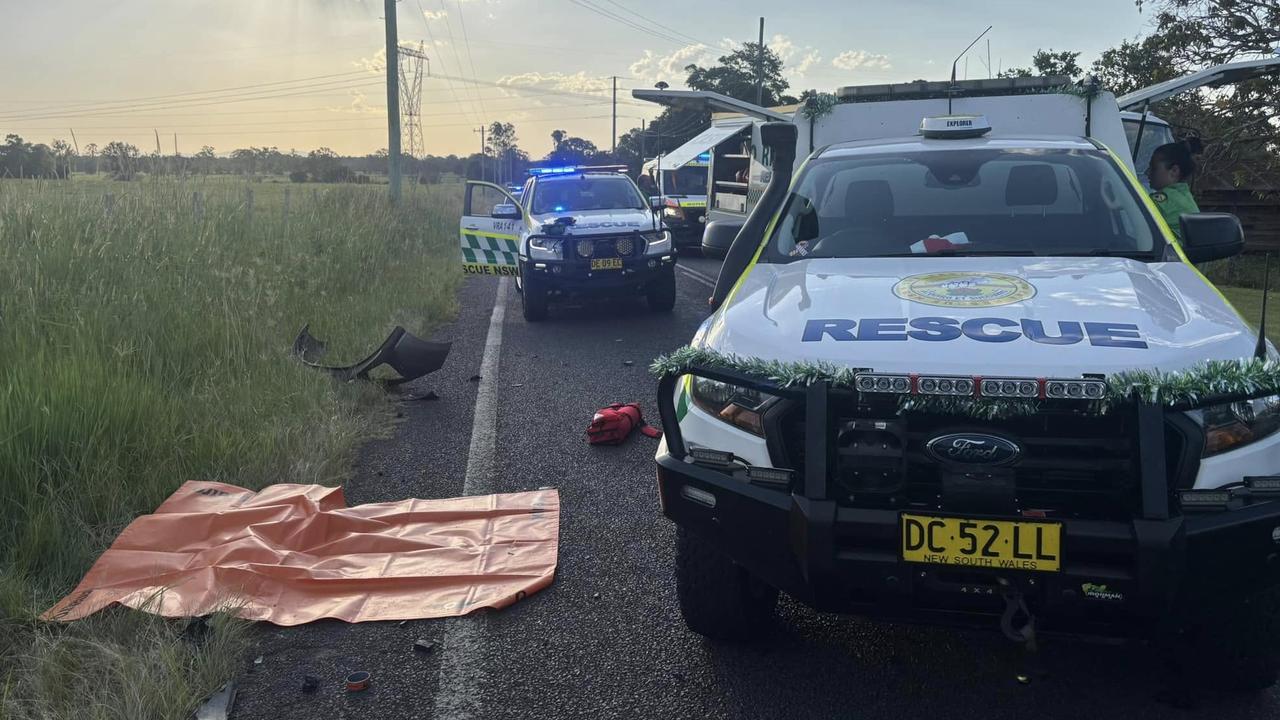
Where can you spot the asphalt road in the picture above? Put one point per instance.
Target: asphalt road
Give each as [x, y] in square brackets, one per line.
[606, 639]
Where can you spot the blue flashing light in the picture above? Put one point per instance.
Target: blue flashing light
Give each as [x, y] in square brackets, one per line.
[559, 208]
[552, 170]
[705, 157]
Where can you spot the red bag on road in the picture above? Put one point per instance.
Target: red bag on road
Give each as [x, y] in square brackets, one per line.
[613, 424]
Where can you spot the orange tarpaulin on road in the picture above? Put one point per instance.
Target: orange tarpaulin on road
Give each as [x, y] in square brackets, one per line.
[291, 554]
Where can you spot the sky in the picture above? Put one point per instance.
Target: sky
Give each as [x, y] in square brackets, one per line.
[300, 74]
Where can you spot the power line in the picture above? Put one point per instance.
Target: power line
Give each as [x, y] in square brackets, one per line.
[79, 105]
[453, 46]
[586, 4]
[462, 20]
[669, 30]
[422, 13]
[320, 88]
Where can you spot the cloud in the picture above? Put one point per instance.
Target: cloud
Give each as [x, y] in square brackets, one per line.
[359, 105]
[861, 60]
[579, 82]
[652, 67]
[434, 14]
[796, 60]
[375, 64]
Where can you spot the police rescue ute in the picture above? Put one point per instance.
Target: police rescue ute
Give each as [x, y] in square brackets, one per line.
[961, 374]
[574, 231]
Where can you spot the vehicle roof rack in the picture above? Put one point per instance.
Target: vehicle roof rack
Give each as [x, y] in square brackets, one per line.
[926, 90]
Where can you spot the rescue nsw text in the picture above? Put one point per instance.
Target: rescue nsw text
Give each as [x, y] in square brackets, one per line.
[982, 329]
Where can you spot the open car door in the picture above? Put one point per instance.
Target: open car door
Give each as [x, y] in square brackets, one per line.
[1215, 76]
[489, 232]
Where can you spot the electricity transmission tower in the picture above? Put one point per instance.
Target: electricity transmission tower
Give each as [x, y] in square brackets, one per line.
[410, 60]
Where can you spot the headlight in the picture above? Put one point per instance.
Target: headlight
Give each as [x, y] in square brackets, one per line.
[1227, 427]
[673, 212]
[741, 407]
[661, 244]
[544, 248]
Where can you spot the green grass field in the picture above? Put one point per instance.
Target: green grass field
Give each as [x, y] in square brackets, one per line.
[145, 340]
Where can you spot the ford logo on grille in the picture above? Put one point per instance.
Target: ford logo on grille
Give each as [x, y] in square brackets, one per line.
[974, 449]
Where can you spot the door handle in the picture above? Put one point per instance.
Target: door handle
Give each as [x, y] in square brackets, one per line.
[473, 227]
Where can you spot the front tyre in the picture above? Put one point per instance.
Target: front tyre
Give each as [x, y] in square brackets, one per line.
[661, 292]
[533, 300]
[719, 599]
[1232, 643]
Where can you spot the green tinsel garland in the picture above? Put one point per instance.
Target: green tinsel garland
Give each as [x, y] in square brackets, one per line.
[1182, 388]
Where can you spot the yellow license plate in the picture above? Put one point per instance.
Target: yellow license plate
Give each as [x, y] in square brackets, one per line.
[994, 544]
[607, 264]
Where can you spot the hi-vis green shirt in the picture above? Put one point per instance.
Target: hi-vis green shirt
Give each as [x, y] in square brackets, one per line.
[1175, 200]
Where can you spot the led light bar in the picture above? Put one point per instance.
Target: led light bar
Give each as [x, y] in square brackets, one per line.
[1075, 389]
[991, 387]
[1205, 498]
[776, 477]
[883, 383]
[944, 385]
[719, 457]
[1010, 387]
[1267, 485]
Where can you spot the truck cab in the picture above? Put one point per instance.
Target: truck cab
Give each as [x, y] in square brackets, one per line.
[682, 194]
[574, 231]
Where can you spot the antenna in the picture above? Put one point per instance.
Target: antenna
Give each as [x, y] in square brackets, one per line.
[1260, 352]
[957, 62]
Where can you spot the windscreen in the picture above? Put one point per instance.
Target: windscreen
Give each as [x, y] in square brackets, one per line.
[964, 202]
[688, 180]
[1153, 136]
[575, 193]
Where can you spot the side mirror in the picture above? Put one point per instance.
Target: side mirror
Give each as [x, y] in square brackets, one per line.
[1211, 236]
[505, 211]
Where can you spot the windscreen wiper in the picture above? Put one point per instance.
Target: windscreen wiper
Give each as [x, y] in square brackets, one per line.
[953, 252]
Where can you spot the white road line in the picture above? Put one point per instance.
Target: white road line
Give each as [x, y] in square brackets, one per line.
[460, 683]
[695, 275]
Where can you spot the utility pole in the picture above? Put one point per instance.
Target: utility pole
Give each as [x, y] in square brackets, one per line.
[643, 132]
[614, 135]
[760, 66]
[483, 154]
[393, 100]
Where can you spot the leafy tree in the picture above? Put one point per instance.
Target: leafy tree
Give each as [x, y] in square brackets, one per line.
[557, 137]
[122, 159]
[1048, 62]
[501, 143]
[571, 150]
[735, 76]
[205, 159]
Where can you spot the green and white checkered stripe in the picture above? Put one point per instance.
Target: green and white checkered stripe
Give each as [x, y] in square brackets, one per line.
[489, 249]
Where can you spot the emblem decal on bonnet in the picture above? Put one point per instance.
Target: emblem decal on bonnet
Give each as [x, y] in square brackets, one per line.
[964, 289]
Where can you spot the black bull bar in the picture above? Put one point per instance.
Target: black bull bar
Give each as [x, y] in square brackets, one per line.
[1233, 549]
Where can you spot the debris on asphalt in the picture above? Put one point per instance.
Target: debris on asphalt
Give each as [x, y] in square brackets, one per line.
[628, 363]
[595, 596]
[613, 424]
[402, 351]
[426, 646]
[208, 535]
[517, 385]
[257, 661]
[218, 706]
[474, 378]
[358, 681]
[310, 683]
[428, 396]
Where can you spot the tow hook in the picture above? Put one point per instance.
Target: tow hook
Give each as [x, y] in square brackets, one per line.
[1019, 625]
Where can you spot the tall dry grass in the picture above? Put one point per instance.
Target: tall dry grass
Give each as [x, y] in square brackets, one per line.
[144, 342]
